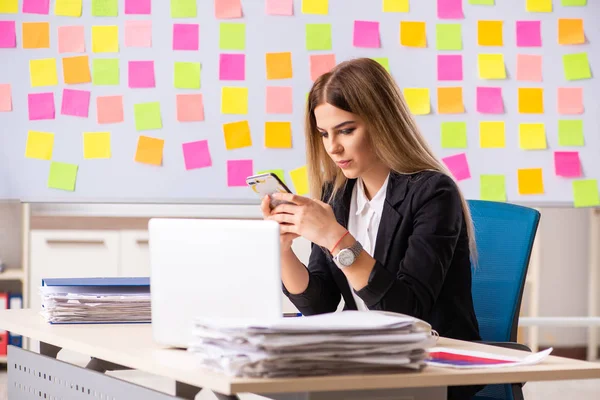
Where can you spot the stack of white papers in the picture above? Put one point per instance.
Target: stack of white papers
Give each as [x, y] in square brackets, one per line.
[336, 343]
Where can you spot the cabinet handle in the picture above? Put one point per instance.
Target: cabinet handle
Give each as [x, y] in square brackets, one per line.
[142, 242]
[98, 242]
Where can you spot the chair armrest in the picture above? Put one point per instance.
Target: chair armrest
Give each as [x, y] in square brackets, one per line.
[507, 345]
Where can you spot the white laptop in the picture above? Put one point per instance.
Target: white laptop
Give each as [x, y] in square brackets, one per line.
[211, 267]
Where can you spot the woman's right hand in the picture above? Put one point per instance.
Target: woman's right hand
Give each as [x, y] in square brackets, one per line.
[285, 239]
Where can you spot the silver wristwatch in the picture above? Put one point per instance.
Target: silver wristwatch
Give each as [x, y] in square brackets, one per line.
[346, 257]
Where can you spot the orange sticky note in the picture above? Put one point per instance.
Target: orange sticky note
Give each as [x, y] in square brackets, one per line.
[570, 31]
[450, 100]
[237, 135]
[278, 135]
[36, 35]
[300, 180]
[279, 65]
[412, 34]
[531, 100]
[149, 150]
[76, 70]
[530, 181]
[489, 33]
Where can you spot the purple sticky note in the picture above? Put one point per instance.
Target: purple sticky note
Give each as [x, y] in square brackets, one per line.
[36, 6]
[366, 34]
[196, 155]
[232, 67]
[8, 37]
[567, 164]
[138, 6]
[489, 100]
[529, 34]
[41, 106]
[450, 68]
[458, 166]
[141, 74]
[75, 103]
[185, 36]
[238, 171]
[450, 9]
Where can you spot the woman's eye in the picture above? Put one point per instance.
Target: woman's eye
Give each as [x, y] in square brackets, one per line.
[323, 134]
[347, 131]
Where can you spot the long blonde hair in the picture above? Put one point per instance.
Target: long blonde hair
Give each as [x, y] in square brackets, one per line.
[363, 87]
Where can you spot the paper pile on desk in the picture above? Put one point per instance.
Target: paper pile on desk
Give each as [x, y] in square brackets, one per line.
[336, 343]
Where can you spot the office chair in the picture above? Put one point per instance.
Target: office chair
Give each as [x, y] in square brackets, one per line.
[504, 234]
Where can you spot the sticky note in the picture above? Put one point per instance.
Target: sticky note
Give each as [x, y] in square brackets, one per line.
[75, 103]
[62, 176]
[491, 134]
[318, 37]
[450, 100]
[186, 36]
[138, 6]
[279, 7]
[71, 39]
[492, 187]
[396, 6]
[8, 38]
[109, 109]
[35, 6]
[187, 75]
[105, 71]
[567, 164]
[491, 66]
[234, 100]
[105, 8]
[232, 36]
[530, 181]
[321, 64]
[573, 3]
[570, 31]
[449, 67]
[39, 145]
[190, 107]
[585, 193]
[384, 61]
[278, 135]
[279, 65]
[454, 135]
[538, 5]
[149, 150]
[489, 100]
[5, 97]
[576, 66]
[138, 33]
[238, 171]
[529, 67]
[68, 8]
[183, 9]
[412, 34]
[76, 70]
[278, 172]
[237, 135]
[299, 178]
[42, 72]
[41, 106]
[228, 8]
[96, 145]
[147, 116]
[366, 34]
[417, 100]
[489, 33]
[448, 36]
[458, 166]
[141, 74]
[9, 6]
[529, 34]
[232, 67]
[450, 9]
[315, 7]
[531, 100]
[105, 39]
[570, 100]
[532, 136]
[482, 2]
[196, 154]
[36, 35]
[279, 100]
[570, 132]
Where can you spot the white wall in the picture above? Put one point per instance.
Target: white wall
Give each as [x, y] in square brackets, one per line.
[10, 234]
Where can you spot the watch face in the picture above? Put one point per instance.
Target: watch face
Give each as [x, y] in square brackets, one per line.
[346, 257]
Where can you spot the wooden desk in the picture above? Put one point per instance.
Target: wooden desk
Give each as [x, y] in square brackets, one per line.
[132, 346]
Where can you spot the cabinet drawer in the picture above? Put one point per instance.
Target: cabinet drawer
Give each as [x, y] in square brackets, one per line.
[135, 257]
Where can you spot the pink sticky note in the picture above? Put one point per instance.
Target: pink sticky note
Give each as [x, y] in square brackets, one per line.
[185, 36]
[109, 109]
[71, 39]
[489, 100]
[529, 34]
[238, 171]
[321, 64]
[279, 100]
[458, 166]
[5, 97]
[450, 9]
[279, 7]
[138, 33]
[8, 37]
[190, 107]
[138, 6]
[36, 6]
[366, 34]
[232, 67]
[529, 67]
[75, 102]
[228, 9]
[41, 106]
[567, 164]
[570, 100]
[450, 67]
[196, 155]
[141, 74]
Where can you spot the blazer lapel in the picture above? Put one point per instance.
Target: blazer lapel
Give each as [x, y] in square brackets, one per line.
[390, 217]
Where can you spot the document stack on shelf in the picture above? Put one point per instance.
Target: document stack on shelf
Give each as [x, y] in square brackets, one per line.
[348, 342]
[96, 300]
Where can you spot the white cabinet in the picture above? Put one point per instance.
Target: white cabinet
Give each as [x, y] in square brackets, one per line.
[134, 257]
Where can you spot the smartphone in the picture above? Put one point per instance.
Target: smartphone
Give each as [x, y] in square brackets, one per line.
[267, 184]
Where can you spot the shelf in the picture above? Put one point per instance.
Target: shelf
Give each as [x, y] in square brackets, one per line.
[11, 274]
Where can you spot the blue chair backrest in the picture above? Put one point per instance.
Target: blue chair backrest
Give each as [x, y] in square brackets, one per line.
[504, 234]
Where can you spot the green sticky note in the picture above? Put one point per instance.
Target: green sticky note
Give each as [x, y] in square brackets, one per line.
[318, 36]
[573, 3]
[570, 132]
[492, 187]
[147, 116]
[482, 2]
[183, 9]
[576, 66]
[279, 172]
[232, 36]
[384, 61]
[454, 135]
[62, 176]
[448, 36]
[105, 8]
[187, 75]
[105, 71]
[585, 193]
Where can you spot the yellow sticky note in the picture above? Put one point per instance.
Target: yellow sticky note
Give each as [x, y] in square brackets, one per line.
[413, 34]
[68, 8]
[489, 33]
[417, 100]
[450, 100]
[531, 100]
[279, 65]
[105, 39]
[278, 135]
[39, 145]
[538, 5]
[530, 181]
[234, 100]
[36, 35]
[300, 180]
[532, 136]
[491, 135]
[96, 145]
[570, 31]
[237, 135]
[491, 66]
[396, 6]
[9, 6]
[315, 7]
[42, 72]
[149, 150]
